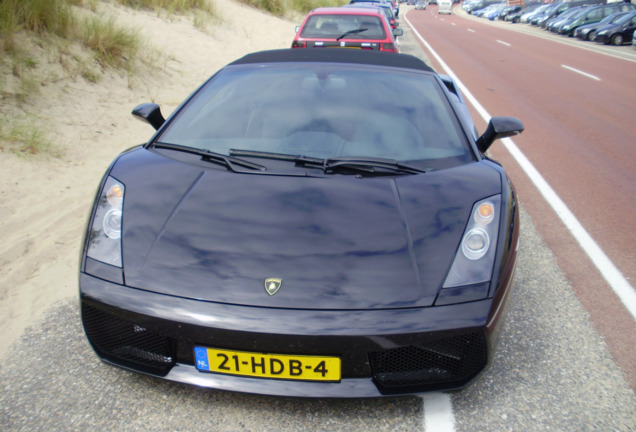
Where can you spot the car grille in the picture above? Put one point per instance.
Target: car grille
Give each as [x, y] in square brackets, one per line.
[128, 344]
[442, 363]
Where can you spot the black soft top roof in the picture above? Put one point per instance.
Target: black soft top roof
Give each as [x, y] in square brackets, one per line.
[334, 55]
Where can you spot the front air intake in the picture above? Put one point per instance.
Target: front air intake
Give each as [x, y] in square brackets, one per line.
[128, 344]
[442, 363]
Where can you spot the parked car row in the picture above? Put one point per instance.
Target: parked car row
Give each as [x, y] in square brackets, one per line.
[365, 25]
[591, 20]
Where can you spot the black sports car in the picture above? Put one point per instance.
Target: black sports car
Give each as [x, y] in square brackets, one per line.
[317, 223]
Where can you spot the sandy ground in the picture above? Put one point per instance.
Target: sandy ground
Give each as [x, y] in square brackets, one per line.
[44, 202]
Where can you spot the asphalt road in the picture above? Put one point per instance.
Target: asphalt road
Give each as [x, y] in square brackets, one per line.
[577, 101]
[551, 372]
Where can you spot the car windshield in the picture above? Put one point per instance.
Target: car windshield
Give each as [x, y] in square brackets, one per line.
[552, 8]
[541, 9]
[575, 12]
[323, 110]
[334, 26]
[611, 18]
[625, 18]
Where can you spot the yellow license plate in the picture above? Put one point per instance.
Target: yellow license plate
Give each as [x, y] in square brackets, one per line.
[279, 366]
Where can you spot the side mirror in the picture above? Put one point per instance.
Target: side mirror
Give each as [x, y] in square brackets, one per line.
[398, 32]
[499, 127]
[149, 113]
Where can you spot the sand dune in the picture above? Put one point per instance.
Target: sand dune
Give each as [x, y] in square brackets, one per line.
[44, 202]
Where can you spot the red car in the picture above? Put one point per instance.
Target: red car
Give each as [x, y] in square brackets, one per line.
[358, 28]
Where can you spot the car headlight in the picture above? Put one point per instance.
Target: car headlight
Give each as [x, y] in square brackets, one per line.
[104, 242]
[475, 256]
[602, 32]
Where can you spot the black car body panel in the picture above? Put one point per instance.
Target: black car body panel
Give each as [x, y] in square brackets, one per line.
[618, 32]
[363, 254]
[588, 31]
[177, 251]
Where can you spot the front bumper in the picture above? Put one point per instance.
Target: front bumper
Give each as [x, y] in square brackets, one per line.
[384, 352]
[602, 38]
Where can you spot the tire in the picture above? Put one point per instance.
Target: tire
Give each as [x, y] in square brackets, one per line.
[617, 39]
[516, 20]
[591, 36]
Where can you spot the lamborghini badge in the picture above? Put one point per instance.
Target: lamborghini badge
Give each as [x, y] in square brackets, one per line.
[272, 285]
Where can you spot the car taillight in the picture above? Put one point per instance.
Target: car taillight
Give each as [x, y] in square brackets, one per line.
[299, 44]
[388, 47]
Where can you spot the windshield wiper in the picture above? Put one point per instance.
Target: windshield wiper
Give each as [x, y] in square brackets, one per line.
[360, 30]
[371, 165]
[210, 156]
[361, 164]
[299, 159]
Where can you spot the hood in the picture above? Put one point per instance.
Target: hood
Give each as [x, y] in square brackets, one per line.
[336, 242]
[607, 27]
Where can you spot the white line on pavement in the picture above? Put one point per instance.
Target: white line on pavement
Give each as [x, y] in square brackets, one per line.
[581, 72]
[621, 287]
[438, 413]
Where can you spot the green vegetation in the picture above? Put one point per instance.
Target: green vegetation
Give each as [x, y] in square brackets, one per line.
[172, 6]
[55, 25]
[38, 16]
[283, 7]
[24, 138]
[113, 46]
[34, 33]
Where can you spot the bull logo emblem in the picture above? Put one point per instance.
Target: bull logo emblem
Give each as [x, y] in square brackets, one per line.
[272, 285]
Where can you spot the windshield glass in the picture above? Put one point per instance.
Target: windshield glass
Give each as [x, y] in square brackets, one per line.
[333, 26]
[322, 110]
[624, 19]
[613, 18]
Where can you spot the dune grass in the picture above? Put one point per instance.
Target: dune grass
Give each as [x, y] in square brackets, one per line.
[25, 138]
[285, 7]
[53, 23]
[55, 26]
[172, 6]
[113, 46]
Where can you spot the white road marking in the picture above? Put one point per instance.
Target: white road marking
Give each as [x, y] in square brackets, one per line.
[503, 43]
[438, 412]
[471, 30]
[581, 72]
[612, 275]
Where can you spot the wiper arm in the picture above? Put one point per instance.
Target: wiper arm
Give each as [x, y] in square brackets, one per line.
[362, 164]
[370, 165]
[211, 156]
[360, 30]
[298, 159]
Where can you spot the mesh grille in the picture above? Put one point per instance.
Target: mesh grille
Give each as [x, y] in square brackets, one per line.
[128, 344]
[440, 363]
